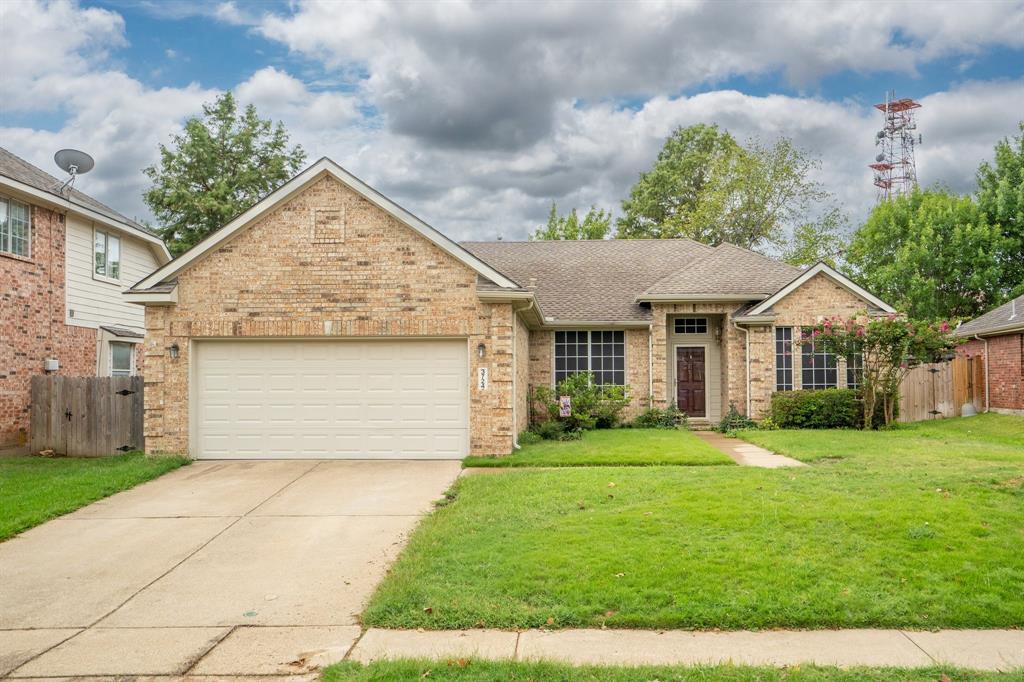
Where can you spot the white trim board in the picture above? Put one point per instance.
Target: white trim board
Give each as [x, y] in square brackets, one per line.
[57, 201]
[289, 189]
[823, 269]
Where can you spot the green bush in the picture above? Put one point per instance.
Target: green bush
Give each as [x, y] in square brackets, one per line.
[734, 421]
[830, 408]
[593, 406]
[657, 418]
[529, 438]
[549, 429]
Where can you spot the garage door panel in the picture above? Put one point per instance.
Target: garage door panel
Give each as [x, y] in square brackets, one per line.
[332, 399]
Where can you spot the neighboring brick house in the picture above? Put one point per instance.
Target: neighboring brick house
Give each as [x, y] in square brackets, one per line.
[327, 321]
[65, 258]
[998, 338]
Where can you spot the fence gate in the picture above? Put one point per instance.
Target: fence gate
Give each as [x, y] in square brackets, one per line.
[86, 416]
[927, 393]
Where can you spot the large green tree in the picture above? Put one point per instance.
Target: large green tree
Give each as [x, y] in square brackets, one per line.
[223, 163]
[1001, 198]
[823, 240]
[706, 186]
[596, 224]
[932, 254]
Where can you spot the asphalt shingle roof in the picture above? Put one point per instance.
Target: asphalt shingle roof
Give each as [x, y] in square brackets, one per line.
[17, 168]
[996, 319]
[597, 280]
[727, 270]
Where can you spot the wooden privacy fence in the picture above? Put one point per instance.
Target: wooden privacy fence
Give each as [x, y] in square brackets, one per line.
[940, 389]
[86, 416]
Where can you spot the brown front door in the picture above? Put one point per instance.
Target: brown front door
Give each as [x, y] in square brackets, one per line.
[690, 381]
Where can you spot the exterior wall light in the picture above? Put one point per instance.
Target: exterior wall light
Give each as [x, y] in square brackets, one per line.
[481, 351]
[175, 351]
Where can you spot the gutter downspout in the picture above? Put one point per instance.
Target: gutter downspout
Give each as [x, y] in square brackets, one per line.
[985, 341]
[650, 366]
[746, 336]
[515, 401]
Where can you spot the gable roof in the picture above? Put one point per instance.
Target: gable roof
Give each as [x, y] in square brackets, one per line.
[1007, 318]
[590, 280]
[17, 168]
[324, 166]
[807, 275]
[727, 270]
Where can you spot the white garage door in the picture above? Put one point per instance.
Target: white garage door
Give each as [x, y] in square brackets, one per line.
[331, 399]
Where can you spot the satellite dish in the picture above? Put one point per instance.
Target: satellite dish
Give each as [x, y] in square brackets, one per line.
[880, 158]
[74, 162]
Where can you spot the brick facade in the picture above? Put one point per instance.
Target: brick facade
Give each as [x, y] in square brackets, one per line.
[32, 314]
[328, 263]
[1005, 370]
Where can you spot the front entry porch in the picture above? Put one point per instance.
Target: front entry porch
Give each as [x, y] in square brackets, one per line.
[693, 365]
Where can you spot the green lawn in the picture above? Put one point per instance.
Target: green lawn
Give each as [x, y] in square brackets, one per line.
[463, 670]
[616, 447]
[918, 527]
[37, 489]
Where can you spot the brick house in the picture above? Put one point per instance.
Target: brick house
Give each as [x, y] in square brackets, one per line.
[998, 338]
[327, 321]
[65, 258]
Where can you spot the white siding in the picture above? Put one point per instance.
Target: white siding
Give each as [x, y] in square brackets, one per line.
[95, 301]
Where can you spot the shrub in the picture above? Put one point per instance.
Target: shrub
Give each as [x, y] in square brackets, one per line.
[831, 408]
[593, 406]
[549, 429]
[734, 421]
[529, 438]
[657, 418]
[768, 424]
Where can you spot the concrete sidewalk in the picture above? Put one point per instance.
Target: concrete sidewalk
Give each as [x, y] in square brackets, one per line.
[998, 650]
[747, 454]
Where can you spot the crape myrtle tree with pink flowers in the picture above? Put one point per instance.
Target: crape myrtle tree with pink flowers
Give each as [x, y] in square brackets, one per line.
[890, 347]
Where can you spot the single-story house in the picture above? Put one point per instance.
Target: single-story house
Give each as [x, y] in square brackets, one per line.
[998, 338]
[327, 321]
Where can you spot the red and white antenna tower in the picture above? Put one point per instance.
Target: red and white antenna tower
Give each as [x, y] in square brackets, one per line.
[895, 168]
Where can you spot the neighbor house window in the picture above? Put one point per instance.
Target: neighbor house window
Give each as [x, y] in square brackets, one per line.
[121, 360]
[15, 228]
[691, 325]
[783, 358]
[818, 369]
[602, 353]
[854, 370]
[107, 255]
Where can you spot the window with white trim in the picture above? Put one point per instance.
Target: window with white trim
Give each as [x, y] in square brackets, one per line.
[691, 325]
[818, 369]
[783, 358]
[122, 359]
[107, 255]
[600, 352]
[15, 227]
[854, 370]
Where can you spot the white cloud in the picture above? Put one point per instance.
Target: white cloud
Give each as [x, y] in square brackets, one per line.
[487, 114]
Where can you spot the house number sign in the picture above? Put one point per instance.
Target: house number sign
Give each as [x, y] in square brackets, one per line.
[481, 378]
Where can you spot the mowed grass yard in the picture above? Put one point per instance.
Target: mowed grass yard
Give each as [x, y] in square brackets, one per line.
[919, 527]
[462, 670]
[612, 447]
[37, 489]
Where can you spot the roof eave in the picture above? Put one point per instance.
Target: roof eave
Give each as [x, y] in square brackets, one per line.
[690, 298]
[993, 331]
[57, 201]
[152, 297]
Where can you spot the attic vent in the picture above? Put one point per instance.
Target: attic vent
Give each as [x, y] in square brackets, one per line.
[329, 225]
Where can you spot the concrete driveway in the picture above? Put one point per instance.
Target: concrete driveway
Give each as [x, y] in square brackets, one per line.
[218, 568]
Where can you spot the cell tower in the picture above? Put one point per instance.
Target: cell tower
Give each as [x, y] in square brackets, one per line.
[895, 168]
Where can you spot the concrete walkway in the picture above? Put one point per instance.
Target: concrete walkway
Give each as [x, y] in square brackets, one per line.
[218, 568]
[747, 454]
[1000, 650]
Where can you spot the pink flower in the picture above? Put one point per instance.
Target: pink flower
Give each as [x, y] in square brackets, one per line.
[944, 327]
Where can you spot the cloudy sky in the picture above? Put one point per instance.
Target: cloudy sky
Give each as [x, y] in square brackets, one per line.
[476, 116]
